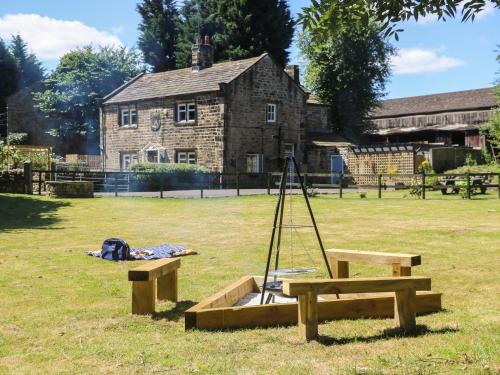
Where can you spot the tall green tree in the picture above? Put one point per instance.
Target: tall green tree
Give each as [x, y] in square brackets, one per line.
[8, 75]
[348, 71]
[196, 20]
[74, 88]
[159, 31]
[491, 130]
[249, 28]
[29, 67]
[333, 16]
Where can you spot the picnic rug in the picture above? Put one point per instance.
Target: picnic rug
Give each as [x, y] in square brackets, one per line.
[153, 252]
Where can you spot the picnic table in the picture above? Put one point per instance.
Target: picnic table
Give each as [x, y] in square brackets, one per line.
[453, 184]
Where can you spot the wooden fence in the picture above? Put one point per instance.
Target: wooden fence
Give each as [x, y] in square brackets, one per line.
[418, 185]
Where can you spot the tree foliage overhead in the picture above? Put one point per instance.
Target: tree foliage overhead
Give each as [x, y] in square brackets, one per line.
[348, 71]
[332, 16]
[159, 31]
[73, 89]
[248, 28]
[8, 75]
[30, 69]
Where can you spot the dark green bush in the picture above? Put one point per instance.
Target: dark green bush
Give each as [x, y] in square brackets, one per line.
[167, 175]
[18, 138]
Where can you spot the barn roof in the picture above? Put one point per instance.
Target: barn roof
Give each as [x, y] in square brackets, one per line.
[445, 102]
[180, 81]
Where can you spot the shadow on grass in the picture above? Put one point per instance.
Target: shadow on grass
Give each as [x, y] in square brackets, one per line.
[24, 212]
[384, 335]
[176, 313]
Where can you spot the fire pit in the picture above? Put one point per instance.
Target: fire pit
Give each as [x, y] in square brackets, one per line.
[70, 189]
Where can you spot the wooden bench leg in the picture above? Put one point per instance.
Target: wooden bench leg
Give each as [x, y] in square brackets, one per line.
[167, 287]
[340, 269]
[143, 297]
[398, 270]
[404, 309]
[308, 316]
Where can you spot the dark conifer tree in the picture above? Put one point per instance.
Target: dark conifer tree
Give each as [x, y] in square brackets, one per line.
[159, 31]
[8, 75]
[29, 68]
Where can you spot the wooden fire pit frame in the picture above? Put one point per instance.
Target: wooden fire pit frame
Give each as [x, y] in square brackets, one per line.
[218, 311]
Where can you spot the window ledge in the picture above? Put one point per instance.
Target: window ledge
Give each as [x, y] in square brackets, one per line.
[127, 126]
[191, 122]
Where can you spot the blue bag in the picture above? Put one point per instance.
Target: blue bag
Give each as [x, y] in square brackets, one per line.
[115, 249]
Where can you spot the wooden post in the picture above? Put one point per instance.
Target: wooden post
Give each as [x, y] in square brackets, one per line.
[341, 179]
[167, 287]
[28, 177]
[379, 185]
[143, 297]
[308, 316]
[73, 176]
[39, 182]
[116, 186]
[161, 185]
[340, 269]
[467, 186]
[498, 186]
[398, 270]
[423, 184]
[238, 184]
[269, 183]
[404, 309]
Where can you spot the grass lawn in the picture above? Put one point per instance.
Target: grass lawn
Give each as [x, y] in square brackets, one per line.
[64, 312]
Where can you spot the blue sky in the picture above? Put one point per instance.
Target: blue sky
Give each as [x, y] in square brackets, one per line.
[433, 56]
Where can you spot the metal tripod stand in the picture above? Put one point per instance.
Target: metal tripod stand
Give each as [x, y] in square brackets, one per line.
[290, 164]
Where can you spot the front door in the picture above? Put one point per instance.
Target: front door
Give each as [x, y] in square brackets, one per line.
[289, 150]
[336, 166]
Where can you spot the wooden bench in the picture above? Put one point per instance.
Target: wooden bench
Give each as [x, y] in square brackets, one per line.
[401, 263]
[144, 284]
[307, 290]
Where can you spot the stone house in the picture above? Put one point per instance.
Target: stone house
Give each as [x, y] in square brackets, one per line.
[238, 116]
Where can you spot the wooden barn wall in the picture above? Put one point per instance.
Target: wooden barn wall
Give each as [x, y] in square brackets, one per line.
[448, 118]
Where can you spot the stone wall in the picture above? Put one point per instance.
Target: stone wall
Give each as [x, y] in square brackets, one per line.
[247, 129]
[318, 116]
[204, 136]
[12, 181]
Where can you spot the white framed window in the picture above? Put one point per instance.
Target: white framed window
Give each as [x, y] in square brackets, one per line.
[271, 112]
[186, 112]
[255, 163]
[128, 159]
[186, 157]
[128, 116]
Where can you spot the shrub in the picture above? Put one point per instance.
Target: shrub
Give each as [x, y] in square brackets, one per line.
[18, 138]
[168, 175]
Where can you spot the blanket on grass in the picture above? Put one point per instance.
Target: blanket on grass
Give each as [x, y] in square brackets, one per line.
[153, 252]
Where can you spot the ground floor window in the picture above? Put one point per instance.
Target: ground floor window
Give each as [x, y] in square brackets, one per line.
[186, 157]
[128, 159]
[289, 149]
[255, 163]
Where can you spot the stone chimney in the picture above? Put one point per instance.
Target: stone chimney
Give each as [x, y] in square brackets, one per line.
[202, 54]
[293, 71]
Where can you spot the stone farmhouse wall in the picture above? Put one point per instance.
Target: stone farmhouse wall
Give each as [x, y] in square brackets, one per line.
[247, 128]
[204, 136]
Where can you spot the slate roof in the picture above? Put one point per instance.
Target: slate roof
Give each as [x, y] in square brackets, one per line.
[180, 81]
[445, 102]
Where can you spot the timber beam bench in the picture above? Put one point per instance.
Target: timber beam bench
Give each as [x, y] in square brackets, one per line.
[404, 303]
[156, 278]
[401, 263]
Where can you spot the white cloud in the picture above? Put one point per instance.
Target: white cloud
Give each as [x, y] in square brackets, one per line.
[417, 60]
[50, 38]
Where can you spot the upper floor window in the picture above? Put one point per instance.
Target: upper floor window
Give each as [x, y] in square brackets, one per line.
[186, 112]
[186, 157]
[271, 113]
[255, 163]
[128, 116]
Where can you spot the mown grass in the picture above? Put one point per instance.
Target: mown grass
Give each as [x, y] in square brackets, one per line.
[64, 312]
